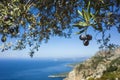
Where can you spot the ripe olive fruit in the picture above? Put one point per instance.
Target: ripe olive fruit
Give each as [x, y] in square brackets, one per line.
[82, 37]
[86, 42]
[11, 30]
[89, 37]
[3, 39]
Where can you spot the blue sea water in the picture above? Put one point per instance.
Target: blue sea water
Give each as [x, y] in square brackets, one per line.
[32, 69]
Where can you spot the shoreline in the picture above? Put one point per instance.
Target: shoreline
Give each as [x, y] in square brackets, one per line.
[61, 75]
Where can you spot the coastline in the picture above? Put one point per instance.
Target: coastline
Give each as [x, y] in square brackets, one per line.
[61, 75]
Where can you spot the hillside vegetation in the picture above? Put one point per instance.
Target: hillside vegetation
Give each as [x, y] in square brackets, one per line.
[105, 65]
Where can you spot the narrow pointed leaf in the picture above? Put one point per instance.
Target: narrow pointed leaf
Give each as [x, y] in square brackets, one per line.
[85, 16]
[88, 7]
[80, 13]
[88, 11]
[83, 13]
[81, 31]
[81, 24]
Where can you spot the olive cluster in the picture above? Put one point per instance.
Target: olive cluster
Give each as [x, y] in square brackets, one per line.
[85, 38]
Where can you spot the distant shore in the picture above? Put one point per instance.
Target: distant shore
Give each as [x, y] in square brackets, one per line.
[62, 75]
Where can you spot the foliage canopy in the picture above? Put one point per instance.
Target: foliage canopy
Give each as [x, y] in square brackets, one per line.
[34, 21]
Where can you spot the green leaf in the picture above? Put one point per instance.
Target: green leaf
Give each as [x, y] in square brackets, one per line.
[93, 15]
[81, 31]
[88, 8]
[8, 23]
[88, 16]
[80, 13]
[88, 11]
[81, 24]
[77, 25]
[85, 15]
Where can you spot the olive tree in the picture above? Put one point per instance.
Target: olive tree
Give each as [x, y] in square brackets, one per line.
[29, 22]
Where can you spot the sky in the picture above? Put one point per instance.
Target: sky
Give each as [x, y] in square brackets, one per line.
[60, 47]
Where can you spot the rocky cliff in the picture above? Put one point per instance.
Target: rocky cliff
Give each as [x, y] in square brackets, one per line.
[105, 65]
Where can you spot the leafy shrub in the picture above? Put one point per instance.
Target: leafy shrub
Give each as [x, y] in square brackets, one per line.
[112, 68]
[91, 79]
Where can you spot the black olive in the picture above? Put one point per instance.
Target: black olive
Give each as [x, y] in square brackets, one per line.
[86, 43]
[82, 37]
[89, 37]
[3, 39]
[11, 30]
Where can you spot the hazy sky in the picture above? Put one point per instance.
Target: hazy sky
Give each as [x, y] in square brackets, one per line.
[62, 47]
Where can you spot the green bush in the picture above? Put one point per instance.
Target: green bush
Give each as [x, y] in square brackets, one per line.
[112, 68]
[91, 79]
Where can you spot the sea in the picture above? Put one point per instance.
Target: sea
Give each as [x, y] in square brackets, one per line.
[34, 69]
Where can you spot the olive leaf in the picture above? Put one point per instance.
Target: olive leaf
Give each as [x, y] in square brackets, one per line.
[86, 15]
[80, 13]
[81, 24]
[81, 31]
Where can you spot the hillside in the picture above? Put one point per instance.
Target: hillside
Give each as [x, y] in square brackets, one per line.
[105, 65]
